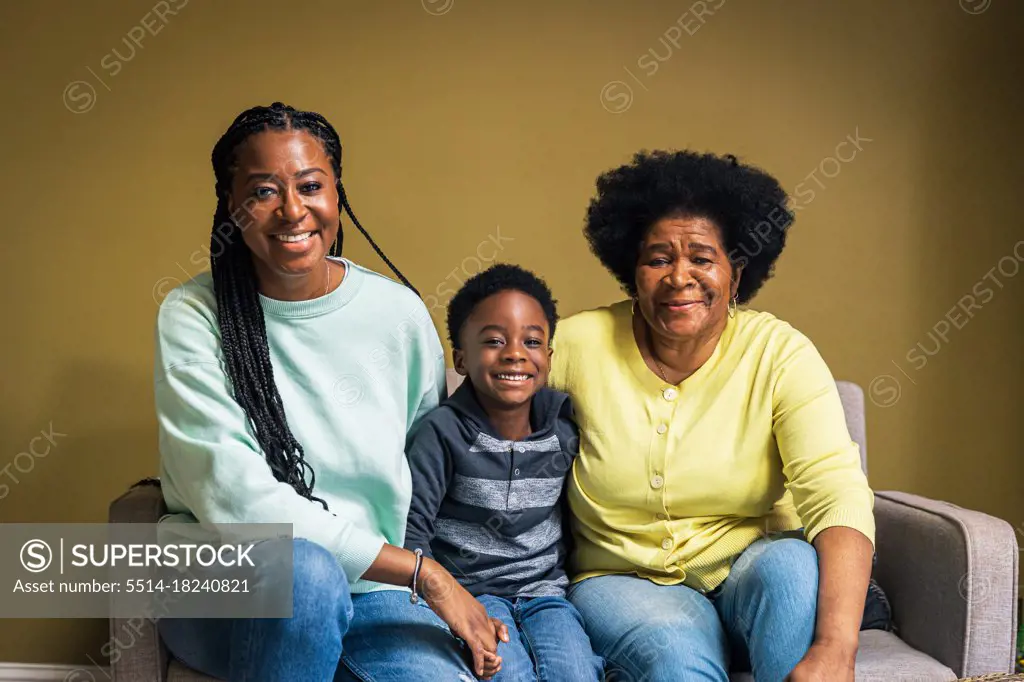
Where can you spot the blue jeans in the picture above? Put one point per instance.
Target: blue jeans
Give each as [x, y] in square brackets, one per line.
[760, 619]
[547, 641]
[332, 635]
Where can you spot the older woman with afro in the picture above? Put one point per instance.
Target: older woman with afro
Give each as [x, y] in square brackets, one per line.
[721, 517]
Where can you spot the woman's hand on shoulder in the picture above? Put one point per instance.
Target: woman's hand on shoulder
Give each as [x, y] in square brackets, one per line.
[466, 617]
[825, 662]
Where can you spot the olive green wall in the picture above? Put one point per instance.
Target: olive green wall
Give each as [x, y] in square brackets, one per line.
[473, 131]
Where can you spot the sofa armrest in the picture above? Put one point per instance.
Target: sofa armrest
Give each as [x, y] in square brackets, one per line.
[143, 503]
[951, 576]
[136, 652]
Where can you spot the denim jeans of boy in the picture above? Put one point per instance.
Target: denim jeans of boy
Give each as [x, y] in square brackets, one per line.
[332, 635]
[760, 619]
[547, 641]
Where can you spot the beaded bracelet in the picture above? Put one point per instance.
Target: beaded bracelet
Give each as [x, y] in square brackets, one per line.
[414, 597]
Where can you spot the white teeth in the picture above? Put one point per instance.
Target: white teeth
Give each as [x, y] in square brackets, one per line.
[513, 377]
[293, 237]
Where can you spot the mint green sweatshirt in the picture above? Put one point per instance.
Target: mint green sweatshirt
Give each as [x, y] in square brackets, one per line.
[355, 368]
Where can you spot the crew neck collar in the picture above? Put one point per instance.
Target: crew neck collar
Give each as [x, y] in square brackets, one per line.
[626, 342]
[320, 305]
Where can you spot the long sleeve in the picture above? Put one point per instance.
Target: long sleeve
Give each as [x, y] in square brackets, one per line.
[215, 466]
[431, 467]
[821, 463]
[433, 388]
[673, 483]
[354, 369]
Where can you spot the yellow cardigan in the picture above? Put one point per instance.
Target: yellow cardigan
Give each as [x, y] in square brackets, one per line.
[673, 482]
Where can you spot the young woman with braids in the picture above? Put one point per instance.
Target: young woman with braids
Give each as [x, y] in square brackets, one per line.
[286, 382]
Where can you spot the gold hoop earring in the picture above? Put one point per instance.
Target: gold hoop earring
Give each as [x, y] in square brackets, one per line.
[732, 306]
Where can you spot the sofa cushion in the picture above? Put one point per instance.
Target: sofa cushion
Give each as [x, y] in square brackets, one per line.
[179, 672]
[883, 657]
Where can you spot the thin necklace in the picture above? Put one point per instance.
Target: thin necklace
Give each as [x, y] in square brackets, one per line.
[650, 348]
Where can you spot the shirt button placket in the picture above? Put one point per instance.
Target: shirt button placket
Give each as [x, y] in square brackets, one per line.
[662, 418]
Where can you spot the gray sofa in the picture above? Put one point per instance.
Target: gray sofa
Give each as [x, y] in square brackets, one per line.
[950, 575]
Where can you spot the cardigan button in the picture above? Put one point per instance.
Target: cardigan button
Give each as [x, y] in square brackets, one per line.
[670, 394]
[666, 544]
[662, 428]
[657, 481]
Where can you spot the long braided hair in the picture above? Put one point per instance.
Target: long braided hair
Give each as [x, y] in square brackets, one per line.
[239, 312]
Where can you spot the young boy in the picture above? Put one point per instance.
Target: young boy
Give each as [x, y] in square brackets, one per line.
[488, 468]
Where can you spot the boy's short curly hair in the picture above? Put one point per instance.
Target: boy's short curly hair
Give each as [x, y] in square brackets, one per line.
[493, 280]
[748, 206]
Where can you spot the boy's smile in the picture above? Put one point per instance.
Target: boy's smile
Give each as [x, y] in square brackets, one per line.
[505, 350]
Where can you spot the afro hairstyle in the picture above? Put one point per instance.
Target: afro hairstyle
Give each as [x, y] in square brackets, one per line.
[747, 205]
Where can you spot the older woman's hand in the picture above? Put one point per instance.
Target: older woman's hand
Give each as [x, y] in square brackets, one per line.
[825, 662]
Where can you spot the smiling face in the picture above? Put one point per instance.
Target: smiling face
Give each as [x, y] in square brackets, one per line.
[285, 185]
[684, 279]
[504, 350]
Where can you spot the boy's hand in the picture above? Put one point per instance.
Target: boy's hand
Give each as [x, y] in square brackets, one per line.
[492, 662]
[466, 617]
